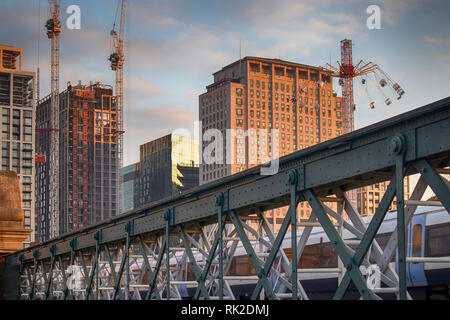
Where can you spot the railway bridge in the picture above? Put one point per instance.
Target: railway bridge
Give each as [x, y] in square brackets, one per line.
[133, 256]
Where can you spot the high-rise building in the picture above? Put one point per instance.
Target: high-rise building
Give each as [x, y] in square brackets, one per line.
[130, 182]
[88, 159]
[166, 168]
[369, 197]
[17, 109]
[253, 95]
[263, 94]
[188, 175]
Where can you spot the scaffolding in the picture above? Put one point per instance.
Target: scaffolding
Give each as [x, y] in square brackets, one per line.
[88, 160]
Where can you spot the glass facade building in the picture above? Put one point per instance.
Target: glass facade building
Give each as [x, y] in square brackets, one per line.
[160, 161]
[130, 176]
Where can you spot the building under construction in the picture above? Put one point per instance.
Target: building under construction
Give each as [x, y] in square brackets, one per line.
[88, 159]
[17, 109]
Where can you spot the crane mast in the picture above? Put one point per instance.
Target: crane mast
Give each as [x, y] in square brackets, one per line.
[117, 59]
[53, 26]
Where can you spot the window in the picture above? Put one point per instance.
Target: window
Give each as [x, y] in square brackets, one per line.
[438, 240]
[417, 241]
[239, 101]
[239, 91]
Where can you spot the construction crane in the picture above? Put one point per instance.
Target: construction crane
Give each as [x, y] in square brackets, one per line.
[116, 59]
[53, 26]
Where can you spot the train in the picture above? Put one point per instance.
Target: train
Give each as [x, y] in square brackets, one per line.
[428, 236]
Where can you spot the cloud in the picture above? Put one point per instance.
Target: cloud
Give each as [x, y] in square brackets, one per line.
[194, 46]
[287, 28]
[392, 10]
[146, 124]
[139, 90]
[436, 40]
[155, 13]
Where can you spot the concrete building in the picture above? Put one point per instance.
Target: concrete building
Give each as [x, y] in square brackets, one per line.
[89, 167]
[253, 95]
[368, 198]
[130, 183]
[160, 175]
[17, 109]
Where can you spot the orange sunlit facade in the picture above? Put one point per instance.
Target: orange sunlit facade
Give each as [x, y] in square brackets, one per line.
[89, 168]
[260, 94]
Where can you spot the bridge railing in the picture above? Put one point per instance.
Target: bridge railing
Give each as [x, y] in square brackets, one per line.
[133, 256]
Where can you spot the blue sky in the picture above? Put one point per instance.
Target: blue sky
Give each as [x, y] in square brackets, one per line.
[173, 47]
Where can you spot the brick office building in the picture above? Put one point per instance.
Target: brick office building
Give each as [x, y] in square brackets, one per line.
[264, 94]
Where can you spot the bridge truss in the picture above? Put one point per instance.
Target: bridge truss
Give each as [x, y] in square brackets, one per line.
[135, 256]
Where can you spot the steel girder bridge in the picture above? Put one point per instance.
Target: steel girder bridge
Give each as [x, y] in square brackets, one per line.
[131, 256]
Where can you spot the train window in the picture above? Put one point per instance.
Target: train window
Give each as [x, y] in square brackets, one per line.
[318, 256]
[417, 241]
[438, 241]
[243, 266]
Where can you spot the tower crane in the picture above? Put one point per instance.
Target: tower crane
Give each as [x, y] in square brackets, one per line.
[116, 58]
[53, 26]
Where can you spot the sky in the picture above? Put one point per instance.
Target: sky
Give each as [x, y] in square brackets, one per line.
[173, 47]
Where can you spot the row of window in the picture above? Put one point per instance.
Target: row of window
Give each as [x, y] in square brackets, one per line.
[282, 87]
[262, 104]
